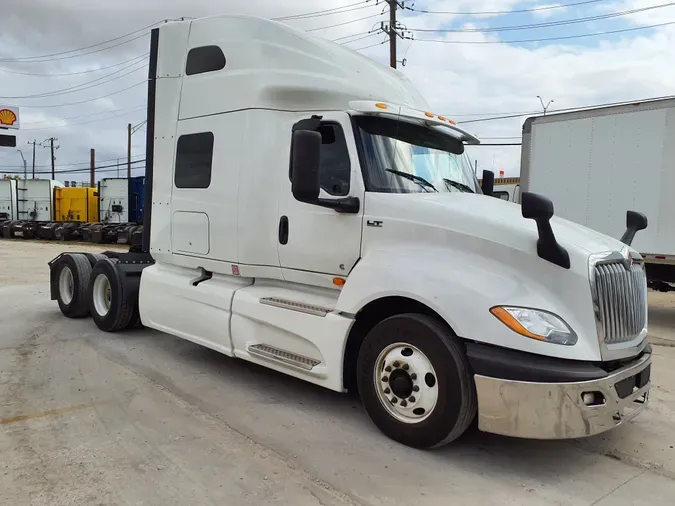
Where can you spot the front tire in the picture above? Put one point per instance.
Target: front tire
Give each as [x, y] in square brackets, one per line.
[415, 381]
[111, 307]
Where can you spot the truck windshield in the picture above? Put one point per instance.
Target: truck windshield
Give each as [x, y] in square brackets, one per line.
[402, 157]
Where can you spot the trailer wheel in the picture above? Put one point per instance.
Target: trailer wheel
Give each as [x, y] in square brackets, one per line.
[72, 275]
[110, 307]
[415, 381]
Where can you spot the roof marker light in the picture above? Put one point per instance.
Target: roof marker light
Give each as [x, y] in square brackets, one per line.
[428, 115]
[381, 106]
[442, 118]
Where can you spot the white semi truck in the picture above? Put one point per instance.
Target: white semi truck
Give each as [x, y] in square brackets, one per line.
[306, 211]
[593, 163]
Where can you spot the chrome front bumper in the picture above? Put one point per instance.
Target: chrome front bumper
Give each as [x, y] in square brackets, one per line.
[557, 410]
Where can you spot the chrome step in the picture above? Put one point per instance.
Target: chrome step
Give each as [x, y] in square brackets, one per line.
[286, 357]
[295, 306]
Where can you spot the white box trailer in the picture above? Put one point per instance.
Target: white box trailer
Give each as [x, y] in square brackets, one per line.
[8, 209]
[35, 198]
[114, 200]
[596, 164]
[305, 211]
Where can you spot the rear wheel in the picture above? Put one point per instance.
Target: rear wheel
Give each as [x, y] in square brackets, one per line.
[111, 307]
[72, 275]
[415, 381]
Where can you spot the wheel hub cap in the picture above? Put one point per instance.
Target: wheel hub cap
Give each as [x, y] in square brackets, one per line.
[405, 382]
[401, 384]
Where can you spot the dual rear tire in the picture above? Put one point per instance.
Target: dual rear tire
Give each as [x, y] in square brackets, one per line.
[91, 285]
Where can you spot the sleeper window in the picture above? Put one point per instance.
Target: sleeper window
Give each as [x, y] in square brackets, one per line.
[194, 157]
[204, 59]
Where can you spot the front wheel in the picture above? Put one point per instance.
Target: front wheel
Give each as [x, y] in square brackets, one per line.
[415, 381]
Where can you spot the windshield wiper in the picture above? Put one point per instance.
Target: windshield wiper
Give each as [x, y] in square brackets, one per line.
[413, 177]
[459, 186]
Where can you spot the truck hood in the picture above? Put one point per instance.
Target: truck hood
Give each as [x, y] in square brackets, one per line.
[491, 219]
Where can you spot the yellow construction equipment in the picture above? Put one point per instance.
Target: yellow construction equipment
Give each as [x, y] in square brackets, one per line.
[76, 204]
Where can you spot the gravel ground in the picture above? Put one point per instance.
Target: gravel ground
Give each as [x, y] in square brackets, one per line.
[141, 417]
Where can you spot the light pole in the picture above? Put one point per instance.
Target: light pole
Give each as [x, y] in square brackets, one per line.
[25, 166]
[545, 107]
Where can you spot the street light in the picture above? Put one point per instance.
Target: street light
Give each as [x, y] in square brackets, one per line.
[545, 107]
[25, 166]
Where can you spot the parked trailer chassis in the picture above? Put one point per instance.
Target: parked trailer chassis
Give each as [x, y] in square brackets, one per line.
[101, 233]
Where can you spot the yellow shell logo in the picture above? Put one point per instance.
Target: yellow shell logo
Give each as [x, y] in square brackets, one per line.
[7, 117]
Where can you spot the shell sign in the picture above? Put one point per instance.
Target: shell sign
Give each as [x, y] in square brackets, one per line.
[9, 117]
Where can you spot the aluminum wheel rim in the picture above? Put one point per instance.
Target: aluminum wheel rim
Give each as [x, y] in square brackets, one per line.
[410, 400]
[101, 294]
[66, 285]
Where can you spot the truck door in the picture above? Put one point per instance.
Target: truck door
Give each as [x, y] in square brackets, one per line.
[315, 239]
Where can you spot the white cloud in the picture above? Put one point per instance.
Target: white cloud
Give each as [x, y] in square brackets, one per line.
[457, 79]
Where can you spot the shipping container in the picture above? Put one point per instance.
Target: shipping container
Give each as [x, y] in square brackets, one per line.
[76, 204]
[8, 209]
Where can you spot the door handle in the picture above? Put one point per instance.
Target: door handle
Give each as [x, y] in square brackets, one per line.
[283, 230]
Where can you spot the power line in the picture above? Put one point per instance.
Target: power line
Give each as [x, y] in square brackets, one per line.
[31, 59]
[66, 166]
[498, 144]
[514, 11]
[571, 109]
[547, 24]
[351, 35]
[89, 71]
[83, 122]
[325, 12]
[85, 101]
[547, 39]
[345, 23]
[372, 45]
[64, 171]
[77, 171]
[80, 54]
[84, 86]
[360, 38]
[106, 112]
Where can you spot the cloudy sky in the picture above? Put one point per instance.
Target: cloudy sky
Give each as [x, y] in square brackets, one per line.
[472, 59]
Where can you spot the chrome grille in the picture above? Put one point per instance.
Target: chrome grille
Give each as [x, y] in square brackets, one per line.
[621, 298]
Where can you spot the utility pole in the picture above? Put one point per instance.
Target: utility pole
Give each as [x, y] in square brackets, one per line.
[25, 167]
[392, 30]
[92, 167]
[129, 150]
[52, 147]
[34, 143]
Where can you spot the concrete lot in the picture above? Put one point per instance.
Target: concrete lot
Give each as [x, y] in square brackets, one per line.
[144, 418]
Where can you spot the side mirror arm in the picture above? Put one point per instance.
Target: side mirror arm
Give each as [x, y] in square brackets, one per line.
[634, 221]
[346, 205]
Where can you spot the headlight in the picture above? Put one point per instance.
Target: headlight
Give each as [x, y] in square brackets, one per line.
[535, 324]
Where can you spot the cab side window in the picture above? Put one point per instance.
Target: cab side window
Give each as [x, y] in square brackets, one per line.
[335, 169]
